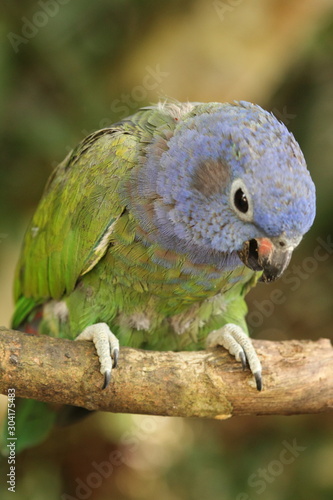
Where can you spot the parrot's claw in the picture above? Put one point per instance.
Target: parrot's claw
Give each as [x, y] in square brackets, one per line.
[107, 378]
[258, 379]
[107, 347]
[115, 357]
[243, 359]
[235, 340]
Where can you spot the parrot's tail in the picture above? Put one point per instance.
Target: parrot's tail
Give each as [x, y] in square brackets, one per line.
[34, 420]
[33, 423]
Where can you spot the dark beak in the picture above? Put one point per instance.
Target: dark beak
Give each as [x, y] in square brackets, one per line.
[262, 254]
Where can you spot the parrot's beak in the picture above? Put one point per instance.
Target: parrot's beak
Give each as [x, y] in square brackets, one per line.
[264, 254]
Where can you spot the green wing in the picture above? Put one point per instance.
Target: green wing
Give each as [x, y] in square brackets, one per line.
[70, 230]
[72, 227]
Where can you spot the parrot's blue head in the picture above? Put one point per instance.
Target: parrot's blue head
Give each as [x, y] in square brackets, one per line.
[233, 181]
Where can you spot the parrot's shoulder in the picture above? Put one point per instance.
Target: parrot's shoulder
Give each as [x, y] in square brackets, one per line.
[173, 113]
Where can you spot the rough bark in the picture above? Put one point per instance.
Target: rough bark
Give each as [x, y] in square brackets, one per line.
[297, 375]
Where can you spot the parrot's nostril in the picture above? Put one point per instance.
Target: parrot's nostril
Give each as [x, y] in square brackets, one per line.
[282, 243]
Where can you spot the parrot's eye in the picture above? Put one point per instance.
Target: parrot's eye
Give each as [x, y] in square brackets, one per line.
[240, 201]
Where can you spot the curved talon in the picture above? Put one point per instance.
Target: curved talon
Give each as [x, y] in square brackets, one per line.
[258, 379]
[107, 347]
[107, 378]
[243, 359]
[115, 357]
[237, 342]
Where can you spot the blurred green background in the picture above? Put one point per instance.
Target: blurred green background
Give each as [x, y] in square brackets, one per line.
[68, 68]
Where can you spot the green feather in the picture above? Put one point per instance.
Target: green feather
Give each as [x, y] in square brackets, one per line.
[34, 421]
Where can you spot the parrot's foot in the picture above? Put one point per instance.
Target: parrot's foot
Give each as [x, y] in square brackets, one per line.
[235, 340]
[107, 347]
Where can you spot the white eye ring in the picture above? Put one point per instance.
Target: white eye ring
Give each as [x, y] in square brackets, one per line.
[244, 210]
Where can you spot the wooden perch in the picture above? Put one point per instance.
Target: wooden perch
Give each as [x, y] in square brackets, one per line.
[297, 375]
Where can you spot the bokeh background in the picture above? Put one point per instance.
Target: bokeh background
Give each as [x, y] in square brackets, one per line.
[68, 68]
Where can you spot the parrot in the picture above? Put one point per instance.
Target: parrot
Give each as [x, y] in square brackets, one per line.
[151, 232]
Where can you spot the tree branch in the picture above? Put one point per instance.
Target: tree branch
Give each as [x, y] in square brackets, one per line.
[297, 375]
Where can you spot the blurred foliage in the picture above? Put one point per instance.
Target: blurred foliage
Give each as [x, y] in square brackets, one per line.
[57, 86]
[82, 70]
